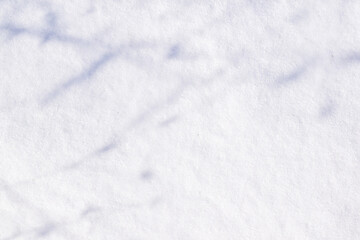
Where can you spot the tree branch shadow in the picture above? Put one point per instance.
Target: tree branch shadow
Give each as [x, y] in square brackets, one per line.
[85, 75]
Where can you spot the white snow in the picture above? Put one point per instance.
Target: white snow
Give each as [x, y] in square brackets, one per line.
[234, 119]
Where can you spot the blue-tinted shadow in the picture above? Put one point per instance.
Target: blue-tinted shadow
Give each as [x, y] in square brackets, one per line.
[85, 75]
[291, 77]
[353, 57]
[173, 52]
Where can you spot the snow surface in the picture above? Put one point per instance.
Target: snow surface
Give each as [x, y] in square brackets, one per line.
[182, 119]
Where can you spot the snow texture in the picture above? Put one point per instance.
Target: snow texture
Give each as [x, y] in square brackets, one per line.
[181, 119]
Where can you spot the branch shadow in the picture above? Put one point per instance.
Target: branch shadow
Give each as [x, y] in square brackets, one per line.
[290, 77]
[353, 57]
[45, 35]
[84, 76]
